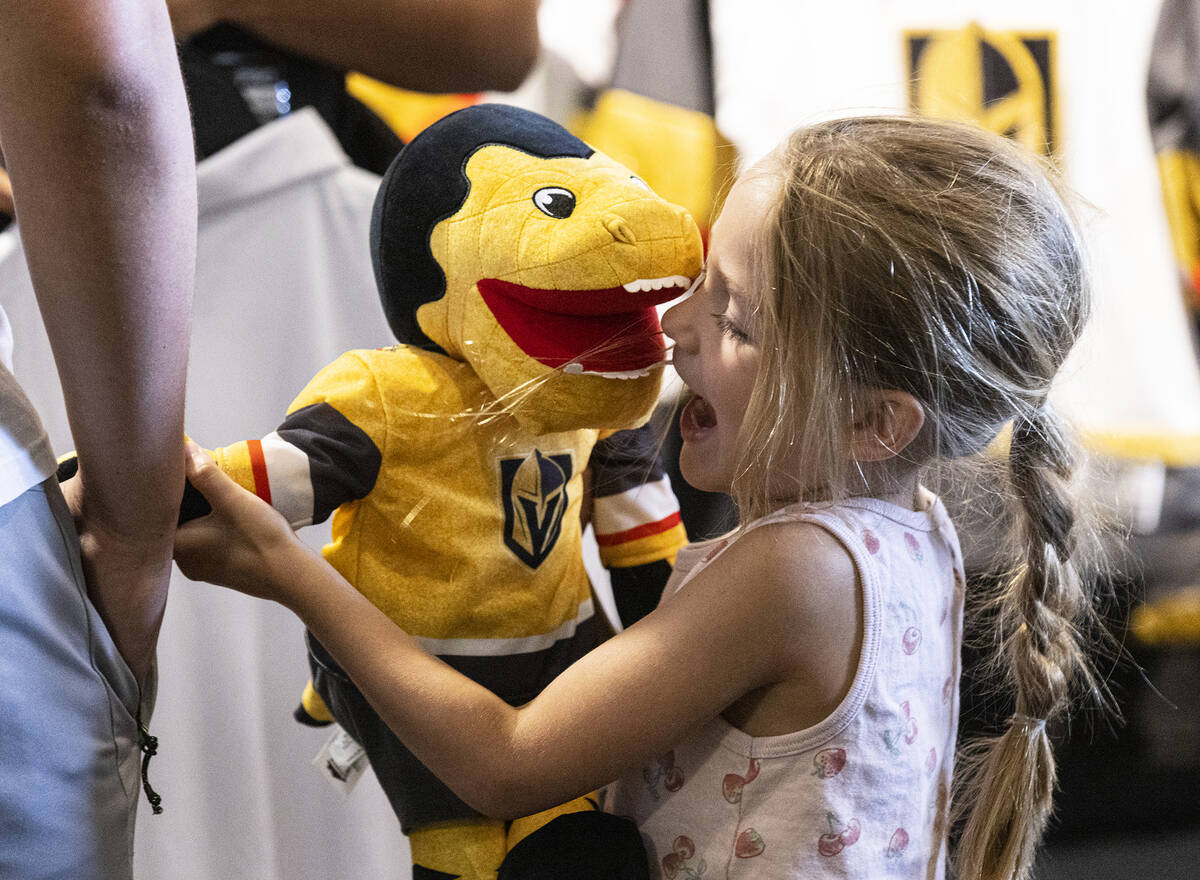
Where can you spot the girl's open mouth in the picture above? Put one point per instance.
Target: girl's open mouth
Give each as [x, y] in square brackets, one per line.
[697, 417]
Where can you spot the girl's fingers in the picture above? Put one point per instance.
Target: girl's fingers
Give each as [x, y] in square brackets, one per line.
[236, 543]
[198, 463]
[213, 483]
[198, 543]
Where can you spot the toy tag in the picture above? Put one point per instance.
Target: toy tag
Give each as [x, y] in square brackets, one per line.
[341, 760]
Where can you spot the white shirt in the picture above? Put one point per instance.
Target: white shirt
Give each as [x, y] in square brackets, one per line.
[25, 455]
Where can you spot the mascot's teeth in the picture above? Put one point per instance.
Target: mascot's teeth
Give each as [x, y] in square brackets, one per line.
[576, 369]
[644, 284]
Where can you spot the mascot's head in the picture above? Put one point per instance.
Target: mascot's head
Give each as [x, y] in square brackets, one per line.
[501, 239]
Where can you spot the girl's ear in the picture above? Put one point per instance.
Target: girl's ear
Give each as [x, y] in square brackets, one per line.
[886, 422]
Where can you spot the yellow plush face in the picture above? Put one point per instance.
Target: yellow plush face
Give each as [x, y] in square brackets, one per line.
[553, 270]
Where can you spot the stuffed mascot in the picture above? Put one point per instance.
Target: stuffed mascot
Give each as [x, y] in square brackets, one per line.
[520, 270]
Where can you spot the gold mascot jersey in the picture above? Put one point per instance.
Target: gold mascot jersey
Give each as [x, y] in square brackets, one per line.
[459, 525]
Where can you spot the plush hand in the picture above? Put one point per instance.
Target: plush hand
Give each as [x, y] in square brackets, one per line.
[244, 544]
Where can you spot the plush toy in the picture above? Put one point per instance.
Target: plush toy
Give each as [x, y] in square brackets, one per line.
[520, 269]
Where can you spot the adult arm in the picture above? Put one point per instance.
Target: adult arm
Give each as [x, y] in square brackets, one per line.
[97, 140]
[6, 205]
[789, 609]
[425, 45]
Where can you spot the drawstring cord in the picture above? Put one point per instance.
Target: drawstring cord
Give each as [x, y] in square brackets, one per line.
[149, 748]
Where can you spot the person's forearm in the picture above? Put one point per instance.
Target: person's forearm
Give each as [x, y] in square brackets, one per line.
[6, 205]
[97, 139]
[464, 733]
[424, 45]
[99, 150]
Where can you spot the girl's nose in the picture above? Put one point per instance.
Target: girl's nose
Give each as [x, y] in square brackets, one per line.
[675, 322]
[678, 321]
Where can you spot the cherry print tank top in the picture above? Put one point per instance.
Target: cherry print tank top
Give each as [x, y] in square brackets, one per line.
[863, 793]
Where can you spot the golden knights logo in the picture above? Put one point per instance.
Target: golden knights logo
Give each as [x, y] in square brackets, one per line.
[534, 493]
[1003, 81]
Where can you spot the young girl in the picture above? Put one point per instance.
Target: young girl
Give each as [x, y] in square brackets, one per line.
[881, 294]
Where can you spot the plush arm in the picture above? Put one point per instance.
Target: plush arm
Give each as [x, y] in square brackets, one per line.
[327, 451]
[635, 516]
[96, 137]
[314, 462]
[424, 45]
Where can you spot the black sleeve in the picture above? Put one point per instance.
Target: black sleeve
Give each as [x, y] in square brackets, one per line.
[343, 461]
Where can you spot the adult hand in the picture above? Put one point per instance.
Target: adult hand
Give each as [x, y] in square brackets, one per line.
[126, 573]
[244, 544]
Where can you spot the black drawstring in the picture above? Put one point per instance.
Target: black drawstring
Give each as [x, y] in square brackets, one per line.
[149, 746]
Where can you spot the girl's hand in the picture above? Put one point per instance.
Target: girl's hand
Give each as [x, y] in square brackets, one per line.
[244, 544]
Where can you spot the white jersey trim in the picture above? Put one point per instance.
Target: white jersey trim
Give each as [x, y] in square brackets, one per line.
[508, 647]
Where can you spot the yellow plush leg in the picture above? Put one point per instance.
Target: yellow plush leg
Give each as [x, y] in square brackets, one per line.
[471, 849]
[519, 829]
[312, 703]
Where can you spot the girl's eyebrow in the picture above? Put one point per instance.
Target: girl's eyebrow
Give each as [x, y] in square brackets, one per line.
[720, 289]
[714, 269]
[729, 294]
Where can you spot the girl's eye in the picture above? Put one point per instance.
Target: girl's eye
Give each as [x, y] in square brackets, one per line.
[637, 181]
[732, 330]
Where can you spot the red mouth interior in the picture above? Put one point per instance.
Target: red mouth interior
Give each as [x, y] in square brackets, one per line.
[698, 414]
[609, 330]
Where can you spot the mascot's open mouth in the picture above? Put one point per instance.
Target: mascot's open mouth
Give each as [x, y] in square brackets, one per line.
[613, 332]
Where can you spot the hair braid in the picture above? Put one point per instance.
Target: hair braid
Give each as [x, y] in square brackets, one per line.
[1039, 610]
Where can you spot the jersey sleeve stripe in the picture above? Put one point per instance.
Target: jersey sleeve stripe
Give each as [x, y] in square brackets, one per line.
[290, 480]
[501, 647]
[643, 531]
[258, 467]
[652, 548]
[343, 460]
[634, 507]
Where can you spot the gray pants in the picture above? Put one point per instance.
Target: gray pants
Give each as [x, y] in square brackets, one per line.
[69, 765]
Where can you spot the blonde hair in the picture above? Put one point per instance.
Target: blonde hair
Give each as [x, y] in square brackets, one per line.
[939, 260]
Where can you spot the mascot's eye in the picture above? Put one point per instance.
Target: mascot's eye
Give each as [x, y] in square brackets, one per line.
[554, 201]
[637, 181]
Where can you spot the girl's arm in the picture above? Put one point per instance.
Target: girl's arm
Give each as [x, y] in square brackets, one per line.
[747, 621]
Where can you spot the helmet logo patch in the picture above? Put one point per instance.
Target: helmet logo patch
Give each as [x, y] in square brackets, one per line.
[534, 494]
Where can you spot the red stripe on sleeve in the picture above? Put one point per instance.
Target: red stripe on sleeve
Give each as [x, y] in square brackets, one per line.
[258, 467]
[642, 531]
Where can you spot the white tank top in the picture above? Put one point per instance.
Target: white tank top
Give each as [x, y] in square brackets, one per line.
[864, 793]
